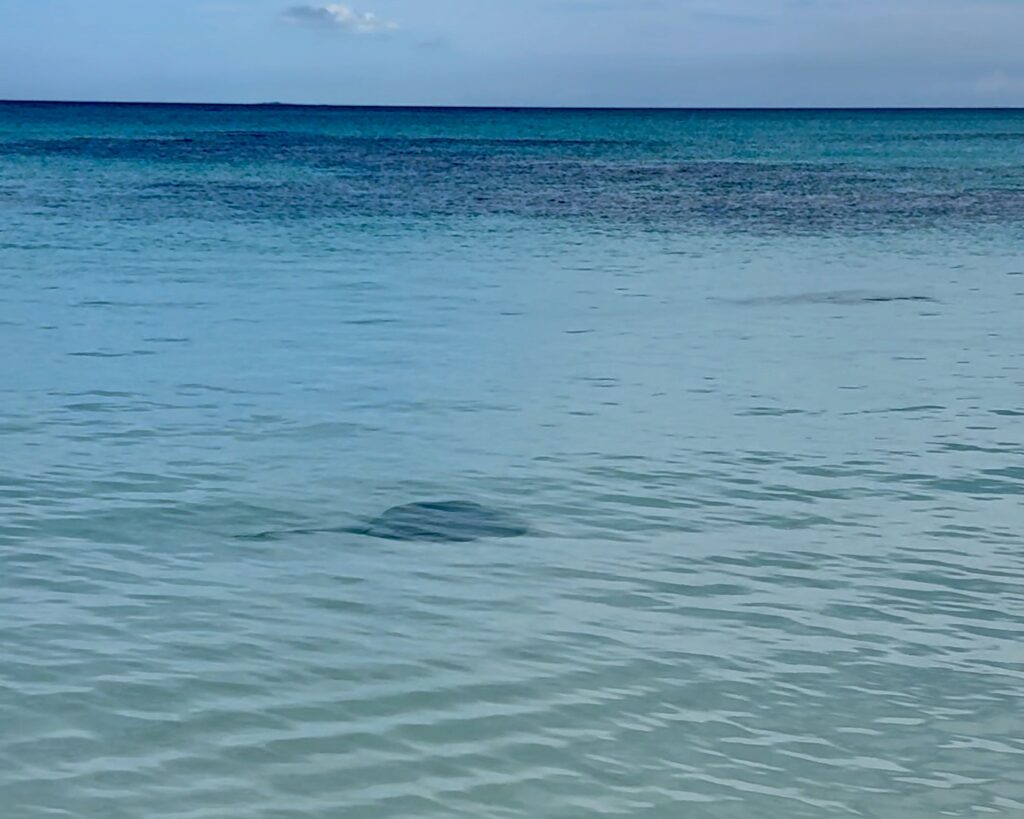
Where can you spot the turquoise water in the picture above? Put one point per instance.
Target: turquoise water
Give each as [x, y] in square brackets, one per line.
[755, 381]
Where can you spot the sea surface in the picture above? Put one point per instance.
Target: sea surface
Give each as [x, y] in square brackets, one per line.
[754, 380]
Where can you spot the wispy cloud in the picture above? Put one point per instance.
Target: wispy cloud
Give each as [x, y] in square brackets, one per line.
[340, 18]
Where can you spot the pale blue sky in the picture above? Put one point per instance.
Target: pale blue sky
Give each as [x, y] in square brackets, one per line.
[530, 52]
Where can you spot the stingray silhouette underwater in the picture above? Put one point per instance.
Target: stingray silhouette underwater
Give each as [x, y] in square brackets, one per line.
[449, 521]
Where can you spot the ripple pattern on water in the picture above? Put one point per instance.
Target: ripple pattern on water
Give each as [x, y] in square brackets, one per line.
[762, 422]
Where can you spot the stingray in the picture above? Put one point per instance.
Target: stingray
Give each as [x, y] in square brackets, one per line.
[453, 521]
[839, 297]
[450, 521]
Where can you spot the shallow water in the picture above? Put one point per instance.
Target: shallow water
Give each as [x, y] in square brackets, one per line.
[755, 382]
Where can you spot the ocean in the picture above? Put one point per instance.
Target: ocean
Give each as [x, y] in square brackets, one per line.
[753, 380]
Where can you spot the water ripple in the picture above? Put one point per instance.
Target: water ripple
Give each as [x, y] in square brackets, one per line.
[762, 420]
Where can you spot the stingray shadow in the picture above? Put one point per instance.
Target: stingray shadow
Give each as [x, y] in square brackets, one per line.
[450, 521]
[841, 297]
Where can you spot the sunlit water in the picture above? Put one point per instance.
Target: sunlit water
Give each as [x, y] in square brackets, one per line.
[755, 382]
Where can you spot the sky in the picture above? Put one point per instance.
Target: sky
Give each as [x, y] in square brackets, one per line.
[676, 53]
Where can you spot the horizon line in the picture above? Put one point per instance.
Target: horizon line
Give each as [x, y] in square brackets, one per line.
[482, 107]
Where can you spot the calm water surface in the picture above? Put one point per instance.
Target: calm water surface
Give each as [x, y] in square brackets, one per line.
[755, 380]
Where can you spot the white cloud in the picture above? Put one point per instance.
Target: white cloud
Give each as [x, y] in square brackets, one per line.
[339, 17]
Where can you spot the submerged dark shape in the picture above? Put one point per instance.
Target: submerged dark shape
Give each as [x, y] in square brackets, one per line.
[851, 297]
[451, 521]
